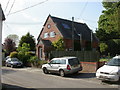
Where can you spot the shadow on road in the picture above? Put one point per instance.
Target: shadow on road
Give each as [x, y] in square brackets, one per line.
[13, 87]
[78, 75]
[81, 75]
[111, 83]
[7, 71]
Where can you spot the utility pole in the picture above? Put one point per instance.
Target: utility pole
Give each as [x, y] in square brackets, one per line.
[80, 35]
[91, 39]
[72, 33]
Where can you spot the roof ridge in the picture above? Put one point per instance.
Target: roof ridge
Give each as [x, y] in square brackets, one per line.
[67, 20]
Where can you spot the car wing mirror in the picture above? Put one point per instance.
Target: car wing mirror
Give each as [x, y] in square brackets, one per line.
[105, 63]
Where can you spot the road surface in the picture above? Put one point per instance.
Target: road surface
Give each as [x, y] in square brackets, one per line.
[35, 78]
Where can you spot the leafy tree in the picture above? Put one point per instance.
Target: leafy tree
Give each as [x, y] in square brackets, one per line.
[108, 24]
[23, 52]
[14, 37]
[103, 47]
[9, 45]
[109, 28]
[58, 45]
[14, 54]
[29, 39]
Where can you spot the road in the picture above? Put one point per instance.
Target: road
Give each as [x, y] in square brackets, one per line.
[35, 78]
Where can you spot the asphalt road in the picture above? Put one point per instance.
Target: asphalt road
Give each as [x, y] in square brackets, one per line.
[35, 78]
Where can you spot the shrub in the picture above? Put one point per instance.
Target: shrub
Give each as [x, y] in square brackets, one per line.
[14, 55]
[36, 62]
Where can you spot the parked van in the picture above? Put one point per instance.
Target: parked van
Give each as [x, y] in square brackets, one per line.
[110, 71]
[63, 66]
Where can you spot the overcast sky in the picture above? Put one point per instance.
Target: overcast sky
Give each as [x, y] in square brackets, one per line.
[24, 16]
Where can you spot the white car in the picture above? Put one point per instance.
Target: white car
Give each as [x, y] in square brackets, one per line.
[63, 66]
[110, 71]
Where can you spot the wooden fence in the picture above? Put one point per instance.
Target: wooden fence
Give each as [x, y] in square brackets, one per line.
[84, 56]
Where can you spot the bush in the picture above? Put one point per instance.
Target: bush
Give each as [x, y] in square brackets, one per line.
[14, 55]
[36, 62]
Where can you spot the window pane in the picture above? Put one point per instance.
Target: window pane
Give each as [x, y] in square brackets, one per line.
[45, 35]
[52, 34]
[62, 61]
[65, 26]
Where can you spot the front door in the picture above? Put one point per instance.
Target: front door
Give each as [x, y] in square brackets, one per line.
[40, 53]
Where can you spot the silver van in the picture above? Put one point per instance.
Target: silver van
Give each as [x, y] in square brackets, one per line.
[63, 66]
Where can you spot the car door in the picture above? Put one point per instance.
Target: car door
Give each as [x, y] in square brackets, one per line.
[54, 65]
[50, 65]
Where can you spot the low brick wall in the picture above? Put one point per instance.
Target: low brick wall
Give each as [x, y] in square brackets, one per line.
[91, 66]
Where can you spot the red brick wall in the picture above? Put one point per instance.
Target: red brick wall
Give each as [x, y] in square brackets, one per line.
[89, 66]
[52, 28]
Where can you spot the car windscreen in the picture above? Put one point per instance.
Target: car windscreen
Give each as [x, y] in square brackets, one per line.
[114, 62]
[73, 61]
[14, 59]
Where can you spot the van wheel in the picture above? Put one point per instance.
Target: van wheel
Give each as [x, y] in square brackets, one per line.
[45, 70]
[61, 72]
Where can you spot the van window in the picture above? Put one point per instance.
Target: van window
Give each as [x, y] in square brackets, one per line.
[114, 62]
[73, 61]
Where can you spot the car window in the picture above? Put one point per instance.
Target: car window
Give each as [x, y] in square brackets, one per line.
[114, 62]
[73, 61]
[63, 61]
[55, 62]
[14, 59]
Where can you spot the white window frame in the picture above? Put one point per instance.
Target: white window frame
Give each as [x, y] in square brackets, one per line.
[52, 34]
[45, 35]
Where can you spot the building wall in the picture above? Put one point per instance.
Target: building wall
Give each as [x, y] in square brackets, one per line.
[68, 42]
[48, 30]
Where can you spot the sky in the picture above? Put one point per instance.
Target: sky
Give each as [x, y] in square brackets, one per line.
[23, 16]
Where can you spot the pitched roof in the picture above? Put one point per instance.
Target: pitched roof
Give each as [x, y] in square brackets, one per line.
[3, 16]
[65, 27]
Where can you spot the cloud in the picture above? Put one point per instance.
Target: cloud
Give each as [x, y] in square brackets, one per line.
[29, 17]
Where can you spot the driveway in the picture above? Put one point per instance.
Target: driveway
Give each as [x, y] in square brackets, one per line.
[35, 78]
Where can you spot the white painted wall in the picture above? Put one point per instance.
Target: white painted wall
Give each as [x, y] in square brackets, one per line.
[0, 45]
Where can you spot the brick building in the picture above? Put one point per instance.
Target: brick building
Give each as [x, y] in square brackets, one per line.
[55, 28]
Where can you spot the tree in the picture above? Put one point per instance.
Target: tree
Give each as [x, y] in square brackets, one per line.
[103, 47]
[14, 54]
[109, 28]
[23, 52]
[14, 37]
[108, 23]
[59, 44]
[9, 46]
[29, 39]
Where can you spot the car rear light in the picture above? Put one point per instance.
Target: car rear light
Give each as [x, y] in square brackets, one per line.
[68, 67]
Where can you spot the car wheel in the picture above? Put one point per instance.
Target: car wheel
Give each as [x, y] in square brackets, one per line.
[6, 65]
[45, 70]
[12, 66]
[61, 72]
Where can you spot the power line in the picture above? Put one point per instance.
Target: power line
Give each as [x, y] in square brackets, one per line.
[83, 9]
[28, 7]
[11, 7]
[7, 5]
[18, 23]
